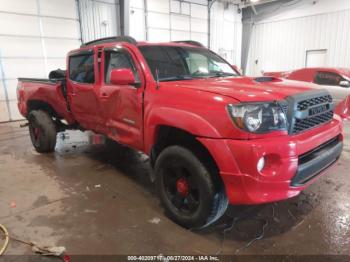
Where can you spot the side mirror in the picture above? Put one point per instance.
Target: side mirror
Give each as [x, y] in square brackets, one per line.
[122, 76]
[237, 69]
[344, 83]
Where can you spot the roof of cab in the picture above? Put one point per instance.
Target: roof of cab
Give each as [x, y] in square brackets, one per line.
[130, 40]
[108, 41]
[339, 70]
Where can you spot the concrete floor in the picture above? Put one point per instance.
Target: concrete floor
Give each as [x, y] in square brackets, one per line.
[98, 199]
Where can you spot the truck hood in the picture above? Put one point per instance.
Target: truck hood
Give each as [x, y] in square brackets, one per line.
[246, 89]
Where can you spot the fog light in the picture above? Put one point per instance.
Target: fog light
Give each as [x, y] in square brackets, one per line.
[261, 164]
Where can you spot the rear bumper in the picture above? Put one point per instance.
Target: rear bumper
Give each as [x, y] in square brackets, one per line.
[291, 163]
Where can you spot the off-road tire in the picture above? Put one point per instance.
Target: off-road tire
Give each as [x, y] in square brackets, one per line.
[212, 199]
[45, 142]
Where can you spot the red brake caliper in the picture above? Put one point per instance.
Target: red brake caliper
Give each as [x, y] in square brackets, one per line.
[37, 133]
[182, 187]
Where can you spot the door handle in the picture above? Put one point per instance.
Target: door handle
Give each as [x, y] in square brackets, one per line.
[104, 95]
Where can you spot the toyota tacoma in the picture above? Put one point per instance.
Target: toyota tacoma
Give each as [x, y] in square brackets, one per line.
[214, 137]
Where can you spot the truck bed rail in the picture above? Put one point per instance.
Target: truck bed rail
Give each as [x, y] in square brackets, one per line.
[38, 80]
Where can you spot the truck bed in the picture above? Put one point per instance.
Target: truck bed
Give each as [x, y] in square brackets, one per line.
[34, 91]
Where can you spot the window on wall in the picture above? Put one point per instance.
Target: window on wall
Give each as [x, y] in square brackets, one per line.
[328, 78]
[118, 60]
[316, 58]
[179, 7]
[81, 68]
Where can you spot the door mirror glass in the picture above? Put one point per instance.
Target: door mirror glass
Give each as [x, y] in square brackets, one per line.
[122, 76]
[344, 83]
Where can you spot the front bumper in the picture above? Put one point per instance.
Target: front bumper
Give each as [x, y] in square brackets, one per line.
[315, 161]
[291, 163]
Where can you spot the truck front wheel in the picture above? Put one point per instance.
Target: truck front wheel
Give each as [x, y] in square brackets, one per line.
[42, 131]
[186, 189]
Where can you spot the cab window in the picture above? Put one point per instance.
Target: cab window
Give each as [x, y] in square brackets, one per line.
[327, 78]
[117, 60]
[81, 68]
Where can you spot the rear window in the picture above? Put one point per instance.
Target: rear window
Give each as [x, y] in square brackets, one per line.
[81, 68]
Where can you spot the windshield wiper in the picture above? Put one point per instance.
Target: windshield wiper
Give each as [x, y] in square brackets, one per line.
[221, 74]
[176, 78]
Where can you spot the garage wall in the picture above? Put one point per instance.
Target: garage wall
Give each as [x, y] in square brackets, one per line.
[99, 18]
[34, 38]
[35, 35]
[226, 32]
[171, 20]
[279, 41]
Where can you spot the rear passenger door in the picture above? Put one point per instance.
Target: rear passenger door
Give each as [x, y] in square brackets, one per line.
[122, 104]
[83, 91]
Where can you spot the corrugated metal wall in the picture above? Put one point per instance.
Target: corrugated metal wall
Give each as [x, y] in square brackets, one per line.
[35, 36]
[226, 32]
[99, 18]
[137, 20]
[169, 20]
[282, 45]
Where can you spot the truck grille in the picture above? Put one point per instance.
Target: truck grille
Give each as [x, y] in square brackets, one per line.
[305, 104]
[308, 110]
[308, 123]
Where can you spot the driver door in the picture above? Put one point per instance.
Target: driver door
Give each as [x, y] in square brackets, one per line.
[122, 104]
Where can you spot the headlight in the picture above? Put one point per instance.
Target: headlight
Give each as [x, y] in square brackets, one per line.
[258, 117]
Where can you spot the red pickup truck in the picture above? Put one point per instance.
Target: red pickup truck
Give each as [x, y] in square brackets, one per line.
[213, 137]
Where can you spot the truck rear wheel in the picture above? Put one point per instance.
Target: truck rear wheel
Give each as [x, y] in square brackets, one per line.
[42, 131]
[186, 189]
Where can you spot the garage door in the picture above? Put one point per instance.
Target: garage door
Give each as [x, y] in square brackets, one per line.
[99, 18]
[169, 20]
[35, 36]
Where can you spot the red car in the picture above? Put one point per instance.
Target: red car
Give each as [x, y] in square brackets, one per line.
[213, 136]
[335, 80]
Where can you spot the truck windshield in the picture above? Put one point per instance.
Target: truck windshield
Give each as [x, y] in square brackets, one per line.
[171, 63]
